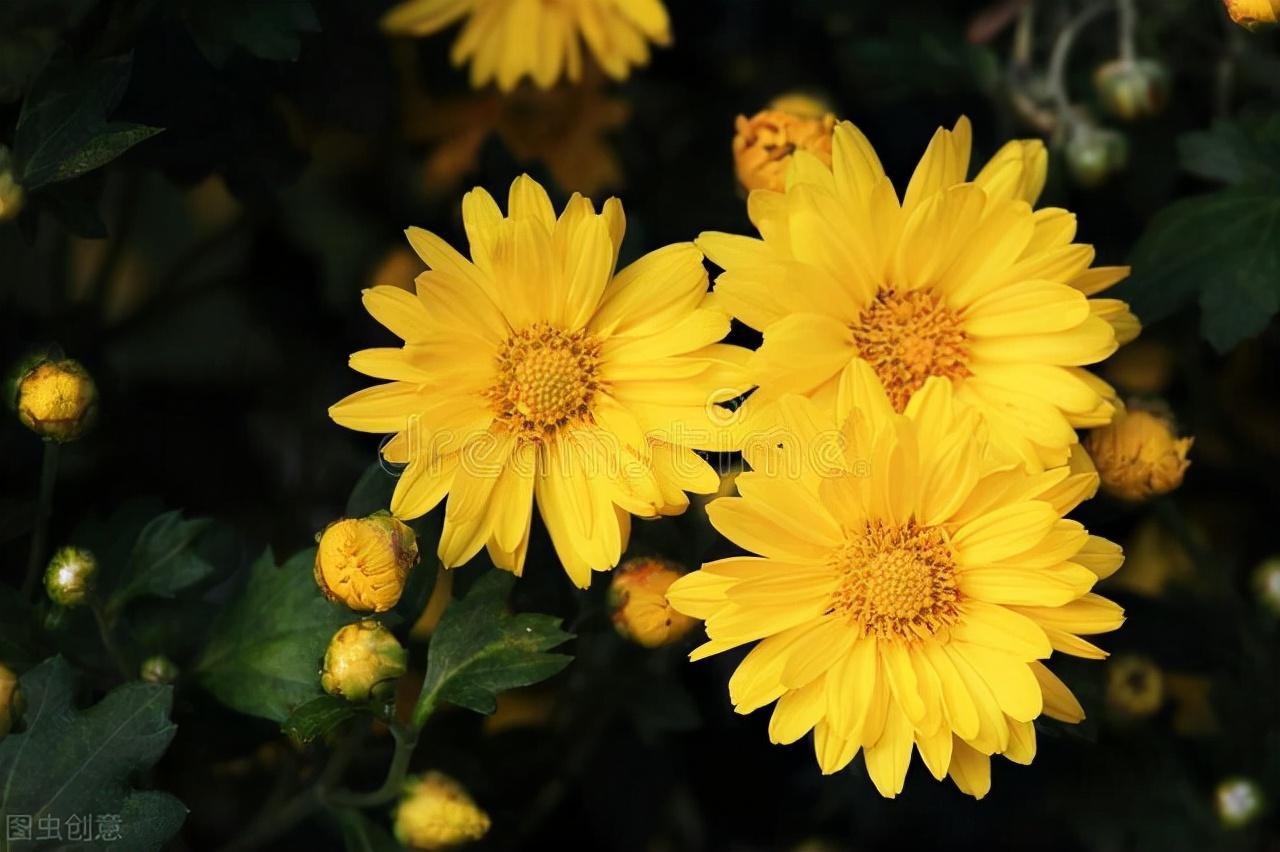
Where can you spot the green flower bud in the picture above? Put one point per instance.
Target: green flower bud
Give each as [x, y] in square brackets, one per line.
[1239, 801]
[363, 662]
[11, 194]
[158, 669]
[54, 397]
[12, 702]
[71, 576]
[1131, 89]
[1094, 154]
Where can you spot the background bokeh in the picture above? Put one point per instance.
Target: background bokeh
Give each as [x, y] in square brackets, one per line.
[210, 280]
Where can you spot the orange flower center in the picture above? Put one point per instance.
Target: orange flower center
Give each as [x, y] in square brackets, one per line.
[908, 337]
[547, 379]
[899, 582]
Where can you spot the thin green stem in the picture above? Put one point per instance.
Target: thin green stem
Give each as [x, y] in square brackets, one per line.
[406, 741]
[109, 642]
[44, 510]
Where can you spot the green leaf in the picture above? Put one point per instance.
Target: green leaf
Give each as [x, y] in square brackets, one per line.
[1222, 249]
[30, 32]
[479, 650]
[267, 29]
[68, 763]
[1235, 152]
[317, 718]
[63, 131]
[265, 653]
[360, 834]
[164, 560]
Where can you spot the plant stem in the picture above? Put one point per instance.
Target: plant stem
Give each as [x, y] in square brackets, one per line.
[406, 741]
[44, 510]
[113, 650]
[1128, 14]
[1062, 52]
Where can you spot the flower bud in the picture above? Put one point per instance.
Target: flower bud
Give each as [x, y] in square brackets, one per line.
[11, 193]
[158, 669]
[1094, 154]
[12, 701]
[638, 602]
[1239, 801]
[1135, 687]
[1266, 581]
[364, 562]
[1132, 88]
[1253, 13]
[764, 143]
[55, 398]
[363, 662]
[435, 812]
[71, 576]
[1138, 456]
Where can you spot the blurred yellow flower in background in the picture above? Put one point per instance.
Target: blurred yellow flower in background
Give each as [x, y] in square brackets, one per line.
[436, 812]
[1253, 13]
[507, 40]
[907, 587]
[532, 372]
[1135, 687]
[764, 143]
[957, 279]
[1138, 455]
[638, 602]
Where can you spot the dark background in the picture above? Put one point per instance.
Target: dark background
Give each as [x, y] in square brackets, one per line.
[219, 300]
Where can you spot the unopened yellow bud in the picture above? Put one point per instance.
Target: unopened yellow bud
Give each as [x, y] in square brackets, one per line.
[1138, 456]
[70, 577]
[435, 812]
[363, 662]
[764, 143]
[11, 194]
[1135, 687]
[56, 399]
[364, 562]
[12, 703]
[158, 669]
[638, 601]
[1253, 13]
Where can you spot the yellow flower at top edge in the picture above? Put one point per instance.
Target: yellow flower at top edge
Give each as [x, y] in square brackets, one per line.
[957, 279]
[506, 40]
[1253, 13]
[908, 586]
[531, 372]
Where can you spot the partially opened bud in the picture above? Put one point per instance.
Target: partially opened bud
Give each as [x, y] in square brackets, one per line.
[1135, 687]
[1138, 456]
[363, 662]
[1094, 154]
[12, 703]
[764, 143]
[55, 398]
[70, 577]
[1253, 13]
[435, 812]
[158, 669]
[1132, 88]
[638, 601]
[11, 194]
[364, 562]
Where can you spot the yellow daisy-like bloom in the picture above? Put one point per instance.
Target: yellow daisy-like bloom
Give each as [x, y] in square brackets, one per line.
[908, 586]
[533, 372]
[957, 279]
[506, 40]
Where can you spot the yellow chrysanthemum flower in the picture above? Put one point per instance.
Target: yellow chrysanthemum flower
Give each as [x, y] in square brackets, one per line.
[958, 279]
[533, 372]
[506, 40]
[908, 586]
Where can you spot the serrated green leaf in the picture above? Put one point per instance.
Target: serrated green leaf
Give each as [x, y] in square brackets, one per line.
[266, 649]
[479, 650]
[71, 763]
[1222, 249]
[267, 29]
[63, 131]
[1234, 152]
[164, 560]
[317, 718]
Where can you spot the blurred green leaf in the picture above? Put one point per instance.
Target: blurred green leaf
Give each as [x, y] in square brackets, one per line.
[70, 763]
[372, 492]
[1237, 152]
[317, 718]
[264, 656]
[360, 834]
[1221, 249]
[267, 29]
[164, 560]
[63, 131]
[30, 32]
[479, 650]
